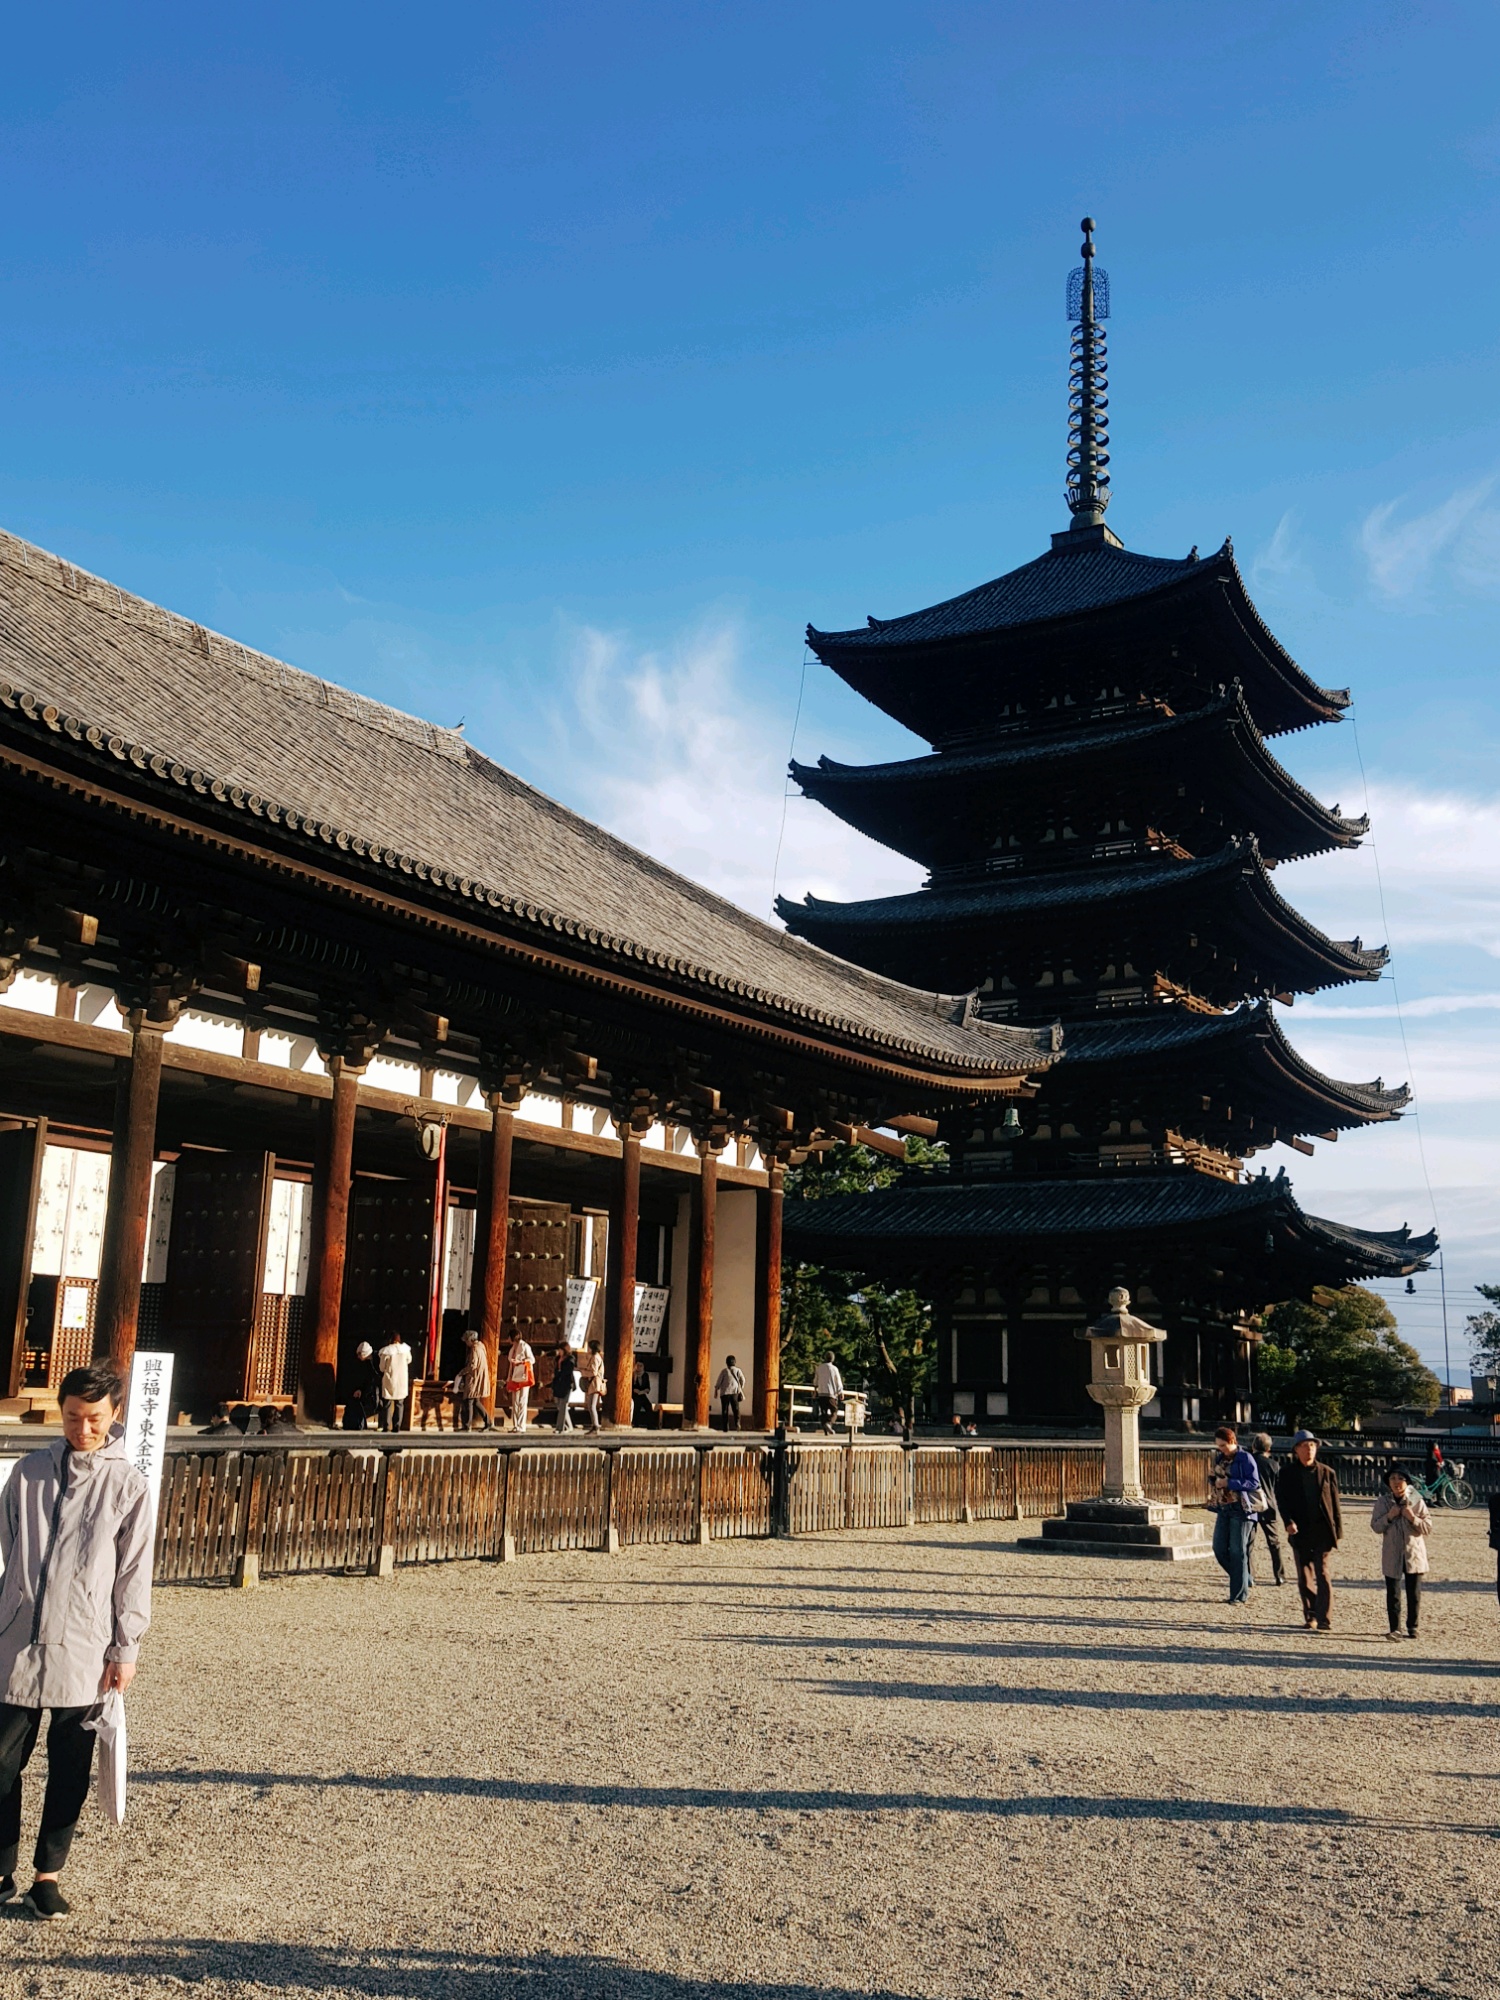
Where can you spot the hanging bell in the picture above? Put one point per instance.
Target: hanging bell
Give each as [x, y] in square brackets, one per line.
[1411, 1288]
[1010, 1125]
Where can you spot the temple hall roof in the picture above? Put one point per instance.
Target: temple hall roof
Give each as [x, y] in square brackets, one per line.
[114, 678]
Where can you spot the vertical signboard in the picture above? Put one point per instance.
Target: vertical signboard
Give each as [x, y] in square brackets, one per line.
[147, 1416]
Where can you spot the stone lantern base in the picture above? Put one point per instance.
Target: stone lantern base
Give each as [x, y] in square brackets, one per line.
[1143, 1530]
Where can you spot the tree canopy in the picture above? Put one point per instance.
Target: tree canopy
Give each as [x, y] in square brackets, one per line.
[1335, 1359]
[1484, 1333]
[881, 1338]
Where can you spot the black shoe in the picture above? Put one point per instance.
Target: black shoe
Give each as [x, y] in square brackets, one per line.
[45, 1901]
[7, 1888]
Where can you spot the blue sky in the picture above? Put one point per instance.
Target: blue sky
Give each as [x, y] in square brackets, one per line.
[551, 367]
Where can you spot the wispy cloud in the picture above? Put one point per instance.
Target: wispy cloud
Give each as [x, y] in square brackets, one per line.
[1283, 562]
[670, 752]
[1430, 1005]
[1460, 532]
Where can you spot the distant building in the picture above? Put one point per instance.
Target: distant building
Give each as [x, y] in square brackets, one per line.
[1100, 818]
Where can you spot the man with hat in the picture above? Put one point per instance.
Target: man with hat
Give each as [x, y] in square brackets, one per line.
[1307, 1498]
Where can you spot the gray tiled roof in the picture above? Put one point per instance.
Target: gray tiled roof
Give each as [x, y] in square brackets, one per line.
[1023, 896]
[1174, 1031]
[1027, 1210]
[134, 680]
[1056, 585]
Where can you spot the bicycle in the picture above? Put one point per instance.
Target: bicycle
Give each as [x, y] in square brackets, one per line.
[1448, 1489]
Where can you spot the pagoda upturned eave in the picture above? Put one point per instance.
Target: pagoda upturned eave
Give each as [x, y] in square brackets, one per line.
[1241, 1060]
[1221, 903]
[1258, 1222]
[945, 672]
[1215, 753]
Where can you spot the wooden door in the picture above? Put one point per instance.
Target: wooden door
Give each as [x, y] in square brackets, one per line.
[387, 1268]
[220, 1209]
[20, 1178]
[536, 1284]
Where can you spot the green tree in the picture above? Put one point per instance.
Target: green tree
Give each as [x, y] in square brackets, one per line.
[1484, 1333]
[880, 1337]
[1335, 1359]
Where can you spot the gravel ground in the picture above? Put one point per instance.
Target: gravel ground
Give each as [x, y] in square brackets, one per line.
[895, 1763]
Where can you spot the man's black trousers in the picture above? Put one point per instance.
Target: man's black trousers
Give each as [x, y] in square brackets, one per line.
[70, 1752]
[1413, 1601]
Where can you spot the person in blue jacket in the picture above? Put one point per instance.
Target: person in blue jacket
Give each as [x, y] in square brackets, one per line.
[1234, 1494]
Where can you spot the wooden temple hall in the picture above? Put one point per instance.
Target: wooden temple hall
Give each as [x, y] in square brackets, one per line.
[317, 1026]
[1101, 816]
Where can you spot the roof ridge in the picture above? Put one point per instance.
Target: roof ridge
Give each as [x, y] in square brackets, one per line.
[217, 647]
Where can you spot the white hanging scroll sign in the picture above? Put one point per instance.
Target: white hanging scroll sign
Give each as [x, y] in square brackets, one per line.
[581, 1295]
[147, 1416]
[650, 1317]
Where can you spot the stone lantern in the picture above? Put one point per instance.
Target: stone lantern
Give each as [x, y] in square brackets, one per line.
[1122, 1521]
[1121, 1383]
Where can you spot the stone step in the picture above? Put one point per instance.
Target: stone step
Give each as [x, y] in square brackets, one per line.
[1144, 1534]
[1123, 1510]
[1053, 1545]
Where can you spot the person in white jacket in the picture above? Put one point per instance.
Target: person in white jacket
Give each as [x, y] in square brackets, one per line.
[730, 1390]
[1401, 1518]
[75, 1600]
[828, 1390]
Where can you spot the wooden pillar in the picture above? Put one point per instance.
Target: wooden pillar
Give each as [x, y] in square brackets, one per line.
[492, 1235]
[698, 1382]
[333, 1176]
[767, 1384]
[625, 1223]
[128, 1210]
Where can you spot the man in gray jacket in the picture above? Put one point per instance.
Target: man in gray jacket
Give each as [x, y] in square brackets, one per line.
[75, 1598]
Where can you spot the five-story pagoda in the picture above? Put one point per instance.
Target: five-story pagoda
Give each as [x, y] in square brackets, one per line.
[1100, 818]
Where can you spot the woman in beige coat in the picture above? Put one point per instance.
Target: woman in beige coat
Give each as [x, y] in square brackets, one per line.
[1400, 1517]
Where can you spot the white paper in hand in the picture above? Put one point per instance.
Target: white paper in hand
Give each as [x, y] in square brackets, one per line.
[109, 1726]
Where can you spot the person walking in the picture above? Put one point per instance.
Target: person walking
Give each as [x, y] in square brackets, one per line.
[1495, 1536]
[1401, 1517]
[1307, 1495]
[1266, 1467]
[75, 1600]
[828, 1391]
[520, 1378]
[394, 1362]
[564, 1381]
[730, 1390]
[471, 1385]
[1234, 1495]
[594, 1385]
[362, 1402]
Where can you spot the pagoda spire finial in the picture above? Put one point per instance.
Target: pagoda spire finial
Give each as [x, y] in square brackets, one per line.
[1088, 390]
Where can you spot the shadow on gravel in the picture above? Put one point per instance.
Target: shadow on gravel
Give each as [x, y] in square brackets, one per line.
[1314, 1650]
[1216, 1703]
[410, 1975]
[539, 1791]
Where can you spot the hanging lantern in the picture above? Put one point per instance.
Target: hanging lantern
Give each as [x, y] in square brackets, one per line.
[1411, 1288]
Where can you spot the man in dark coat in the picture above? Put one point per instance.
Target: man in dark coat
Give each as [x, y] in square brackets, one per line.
[1307, 1499]
[1265, 1466]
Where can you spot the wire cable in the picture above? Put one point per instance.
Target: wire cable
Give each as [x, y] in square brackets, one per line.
[1405, 1049]
[786, 784]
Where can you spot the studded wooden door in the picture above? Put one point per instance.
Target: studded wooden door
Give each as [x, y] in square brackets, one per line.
[536, 1284]
[212, 1295]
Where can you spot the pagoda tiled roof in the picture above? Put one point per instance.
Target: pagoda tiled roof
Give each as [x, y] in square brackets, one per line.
[943, 671]
[1002, 904]
[149, 695]
[886, 799]
[913, 1219]
[1059, 584]
[1167, 1034]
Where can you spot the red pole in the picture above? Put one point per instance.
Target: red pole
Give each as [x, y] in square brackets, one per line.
[439, 1245]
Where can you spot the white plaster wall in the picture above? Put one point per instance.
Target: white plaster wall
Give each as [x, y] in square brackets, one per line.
[734, 1283]
[32, 993]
